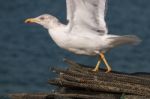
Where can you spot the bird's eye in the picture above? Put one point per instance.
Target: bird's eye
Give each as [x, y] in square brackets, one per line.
[42, 18]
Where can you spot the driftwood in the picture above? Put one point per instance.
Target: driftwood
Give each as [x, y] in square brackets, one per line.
[79, 82]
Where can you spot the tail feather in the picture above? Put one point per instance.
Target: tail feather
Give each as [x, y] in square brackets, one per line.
[122, 40]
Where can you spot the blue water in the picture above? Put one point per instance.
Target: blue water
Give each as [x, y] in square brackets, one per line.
[27, 52]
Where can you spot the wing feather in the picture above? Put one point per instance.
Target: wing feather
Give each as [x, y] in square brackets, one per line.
[87, 14]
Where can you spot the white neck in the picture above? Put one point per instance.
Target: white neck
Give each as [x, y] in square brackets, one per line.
[58, 32]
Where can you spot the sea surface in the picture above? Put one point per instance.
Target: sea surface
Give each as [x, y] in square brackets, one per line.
[27, 52]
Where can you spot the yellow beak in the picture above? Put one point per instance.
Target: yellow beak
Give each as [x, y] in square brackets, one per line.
[31, 20]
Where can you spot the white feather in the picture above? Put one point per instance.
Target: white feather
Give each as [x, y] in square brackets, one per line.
[87, 14]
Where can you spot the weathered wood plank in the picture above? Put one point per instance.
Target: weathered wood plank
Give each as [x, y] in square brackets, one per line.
[79, 82]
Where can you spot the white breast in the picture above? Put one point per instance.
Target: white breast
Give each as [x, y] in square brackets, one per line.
[59, 37]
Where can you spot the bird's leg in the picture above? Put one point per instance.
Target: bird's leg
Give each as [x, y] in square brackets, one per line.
[97, 65]
[105, 62]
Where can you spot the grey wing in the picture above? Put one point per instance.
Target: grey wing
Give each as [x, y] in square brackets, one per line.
[89, 14]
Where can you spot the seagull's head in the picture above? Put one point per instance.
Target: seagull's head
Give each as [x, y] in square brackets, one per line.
[46, 20]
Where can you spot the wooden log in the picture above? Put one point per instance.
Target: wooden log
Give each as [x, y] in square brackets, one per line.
[79, 82]
[74, 96]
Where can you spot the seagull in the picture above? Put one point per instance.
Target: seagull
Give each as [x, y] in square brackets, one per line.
[86, 32]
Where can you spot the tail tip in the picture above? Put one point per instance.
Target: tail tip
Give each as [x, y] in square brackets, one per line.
[136, 40]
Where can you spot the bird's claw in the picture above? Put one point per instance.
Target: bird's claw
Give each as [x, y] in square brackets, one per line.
[95, 70]
[108, 70]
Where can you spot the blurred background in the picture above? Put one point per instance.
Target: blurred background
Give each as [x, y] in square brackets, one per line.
[27, 52]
